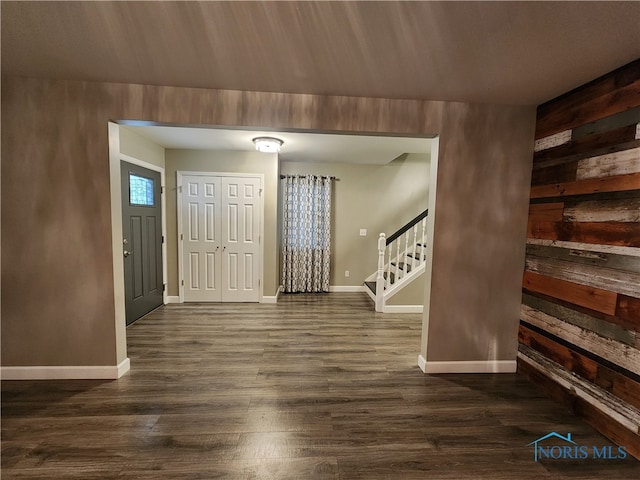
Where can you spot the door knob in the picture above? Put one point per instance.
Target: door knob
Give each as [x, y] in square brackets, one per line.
[127, 253]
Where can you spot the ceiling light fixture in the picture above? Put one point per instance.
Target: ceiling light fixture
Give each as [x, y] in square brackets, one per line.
[268, 144]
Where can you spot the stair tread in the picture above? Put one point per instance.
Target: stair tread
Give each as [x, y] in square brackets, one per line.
[401, 266]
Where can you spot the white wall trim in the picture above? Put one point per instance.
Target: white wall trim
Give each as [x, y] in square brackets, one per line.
[403, 309]
[474, 366]
[271, 298]
[173, 299]
[422, 363]
[346, 288]
[108, 372]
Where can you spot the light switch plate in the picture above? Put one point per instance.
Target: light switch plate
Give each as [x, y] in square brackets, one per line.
[363, 232]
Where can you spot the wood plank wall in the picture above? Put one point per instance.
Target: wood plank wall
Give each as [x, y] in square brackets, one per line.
[579, 335]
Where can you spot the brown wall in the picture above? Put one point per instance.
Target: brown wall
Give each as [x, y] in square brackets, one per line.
[482, 182]
[57, 280]
[581, 289]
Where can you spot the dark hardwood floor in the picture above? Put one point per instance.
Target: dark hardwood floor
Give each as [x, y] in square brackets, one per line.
[314, 387]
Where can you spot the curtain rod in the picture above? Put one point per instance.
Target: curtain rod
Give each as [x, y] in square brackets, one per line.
[321, 176]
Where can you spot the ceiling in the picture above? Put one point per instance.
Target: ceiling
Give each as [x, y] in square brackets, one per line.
[489, 52]
[298, 147]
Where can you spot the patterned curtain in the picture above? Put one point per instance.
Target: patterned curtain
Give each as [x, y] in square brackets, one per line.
[306, 233]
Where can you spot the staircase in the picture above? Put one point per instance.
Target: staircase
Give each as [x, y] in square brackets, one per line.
[401, 259]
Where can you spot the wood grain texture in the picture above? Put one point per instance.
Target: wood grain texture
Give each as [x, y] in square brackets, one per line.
[590, 369]
[627, 263]
[609, 165]
[581, 287]
[625, 356]
[619, 385]
[545, 174]
[627, 210]
[601, 143]
[628, 308]
[546, 212]
[617, 183]
[313, 387]
[614, 92]
[601, 233]
[593, 298]
[604, 325]
[627, 117]
[569, 359]
[619, 281]
[579, 406]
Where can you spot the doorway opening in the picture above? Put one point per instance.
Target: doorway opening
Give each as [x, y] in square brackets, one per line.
[270, 258]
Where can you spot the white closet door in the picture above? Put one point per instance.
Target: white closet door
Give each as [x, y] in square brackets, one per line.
[240, 236]
[201, 242]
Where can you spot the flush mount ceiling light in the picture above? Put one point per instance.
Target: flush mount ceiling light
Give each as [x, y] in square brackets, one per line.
[268, 144]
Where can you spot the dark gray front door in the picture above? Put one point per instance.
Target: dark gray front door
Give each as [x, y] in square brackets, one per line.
[142, 240]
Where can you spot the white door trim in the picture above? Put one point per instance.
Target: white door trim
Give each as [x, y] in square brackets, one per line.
[179, 175]
[163, 204]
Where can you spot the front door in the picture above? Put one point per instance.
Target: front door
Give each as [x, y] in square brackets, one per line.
[142, 240]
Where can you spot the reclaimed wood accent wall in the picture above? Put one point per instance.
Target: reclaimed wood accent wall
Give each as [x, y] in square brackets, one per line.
[579, 335]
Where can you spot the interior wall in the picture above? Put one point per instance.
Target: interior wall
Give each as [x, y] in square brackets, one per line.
[223, 162]
[378, 198]
[140, 147]
[483, 177]
[57, 264]
[580, 315]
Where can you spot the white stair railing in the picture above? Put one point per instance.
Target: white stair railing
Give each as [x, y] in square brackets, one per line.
[401, 258]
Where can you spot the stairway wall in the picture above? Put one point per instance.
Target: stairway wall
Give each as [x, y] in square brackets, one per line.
[412, 294]
[380, 198]
[581, 287]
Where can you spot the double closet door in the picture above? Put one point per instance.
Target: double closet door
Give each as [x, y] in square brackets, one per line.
[220, 238]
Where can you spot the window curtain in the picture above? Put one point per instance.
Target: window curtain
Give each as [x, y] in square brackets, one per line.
[306, 242]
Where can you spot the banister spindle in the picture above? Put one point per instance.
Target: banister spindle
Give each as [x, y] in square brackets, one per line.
[413, 245]
[382, 246]
[397, 274]
[389, 265]
[406, 251]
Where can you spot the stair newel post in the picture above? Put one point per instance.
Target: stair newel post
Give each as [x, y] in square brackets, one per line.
[424, 228]
[413, 251]
[382, 245]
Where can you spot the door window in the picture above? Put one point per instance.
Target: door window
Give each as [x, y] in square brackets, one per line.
[141, 190]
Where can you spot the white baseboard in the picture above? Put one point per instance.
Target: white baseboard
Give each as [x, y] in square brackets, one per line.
[422, 363]
[109, 372]
[271, 298]
[474, 366]
[173, 299]
[346, 288]
[403, 308]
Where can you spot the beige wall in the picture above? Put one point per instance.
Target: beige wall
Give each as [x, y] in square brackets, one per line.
[57, 249]
[379, 198]
[141, 148]
[412, 294]
[222, 162]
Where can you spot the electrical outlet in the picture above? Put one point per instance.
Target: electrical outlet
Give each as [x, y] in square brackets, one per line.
[346, 273]
[363, 232]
